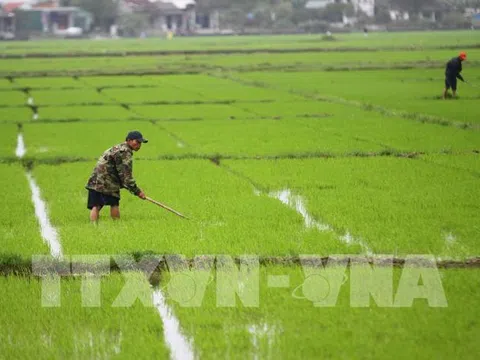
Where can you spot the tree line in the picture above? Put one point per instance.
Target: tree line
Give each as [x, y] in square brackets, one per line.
[272, 13]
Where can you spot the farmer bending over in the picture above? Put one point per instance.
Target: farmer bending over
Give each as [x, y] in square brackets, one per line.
[452, 72]
[113, 172]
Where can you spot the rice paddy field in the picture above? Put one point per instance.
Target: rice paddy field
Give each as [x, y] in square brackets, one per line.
[333, 198]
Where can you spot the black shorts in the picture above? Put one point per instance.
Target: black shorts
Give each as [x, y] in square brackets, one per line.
[451, 82]
[96, 199]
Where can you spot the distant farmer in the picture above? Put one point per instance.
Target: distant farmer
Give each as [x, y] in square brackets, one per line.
[452, 72]
[113, 172]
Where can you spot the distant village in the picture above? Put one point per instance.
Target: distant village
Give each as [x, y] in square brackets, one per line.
[31, 19]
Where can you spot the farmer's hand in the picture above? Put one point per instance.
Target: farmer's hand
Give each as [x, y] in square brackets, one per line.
[142, 195]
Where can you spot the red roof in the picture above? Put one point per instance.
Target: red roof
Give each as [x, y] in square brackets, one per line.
[46, 4]
[10, 7]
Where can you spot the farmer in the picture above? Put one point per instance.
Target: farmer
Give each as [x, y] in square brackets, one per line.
[452, 72]
[113, 172]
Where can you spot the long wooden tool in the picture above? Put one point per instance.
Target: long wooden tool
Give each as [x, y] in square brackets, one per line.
[166, 207]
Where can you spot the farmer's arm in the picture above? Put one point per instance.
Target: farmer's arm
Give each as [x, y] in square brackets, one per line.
[124, 167]
[459, 71]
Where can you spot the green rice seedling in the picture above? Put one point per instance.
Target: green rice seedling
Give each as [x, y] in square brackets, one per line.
[155, 95]
[393, 205]
[53, 82]
[267, 138]
[319, 60]
[344, 131]
[226, 214]
[65, 97]
[223, 89]
[386, 40]
[286, 323]
[88, 141]
[415, 92]
[191, 112]
[15, 115]
[5, 84]
[348, 60]
[9, 143]
[85, 113]
[19, 231]
[12, 98]
[73, 330]
[468, 162]
[106, 81]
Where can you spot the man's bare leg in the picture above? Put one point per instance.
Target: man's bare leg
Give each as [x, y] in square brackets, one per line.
[115, 212]
[454, 93]
[95, 214]
[445, 93]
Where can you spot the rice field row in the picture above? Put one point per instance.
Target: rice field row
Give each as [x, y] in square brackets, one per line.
[386, 205]
[417, 94]
[409, 40]
[235, 62]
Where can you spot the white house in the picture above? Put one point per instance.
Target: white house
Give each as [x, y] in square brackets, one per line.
[397, 15]
[177, 16]
[366, 6]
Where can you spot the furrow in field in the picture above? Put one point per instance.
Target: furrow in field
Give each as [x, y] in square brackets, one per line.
[180, 347]
[298, 203]
[20, 151]
[47, 230]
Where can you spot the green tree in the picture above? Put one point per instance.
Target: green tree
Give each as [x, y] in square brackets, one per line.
[299, 4]
[133, 24]
[105, 12]
[382, 11]
[456, 20]
[335, 12]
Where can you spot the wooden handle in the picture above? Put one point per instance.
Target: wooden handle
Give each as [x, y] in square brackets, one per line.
[166, 207]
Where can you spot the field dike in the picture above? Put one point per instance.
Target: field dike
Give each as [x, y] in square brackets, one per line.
[15, 265]
[317, 49]
[138, 117]
[188, 69]
[143, 103]
[217, 159]
[423, 118]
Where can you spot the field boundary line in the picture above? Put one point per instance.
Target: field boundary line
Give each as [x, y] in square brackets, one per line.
[119, 53]
[205, 69]
[140, 117]
[30, 162]
[23, 267]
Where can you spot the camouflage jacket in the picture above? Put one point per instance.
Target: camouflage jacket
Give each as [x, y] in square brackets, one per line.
[113, 172]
